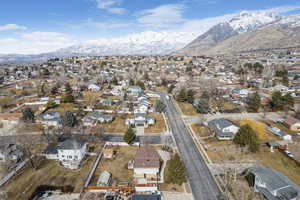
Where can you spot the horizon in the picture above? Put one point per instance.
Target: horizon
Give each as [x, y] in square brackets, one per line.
[35, 27]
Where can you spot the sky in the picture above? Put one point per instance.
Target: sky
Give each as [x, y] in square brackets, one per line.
[39, 26]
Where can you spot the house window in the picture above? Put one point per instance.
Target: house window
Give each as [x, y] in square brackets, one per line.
[70, 157]
[76, 157]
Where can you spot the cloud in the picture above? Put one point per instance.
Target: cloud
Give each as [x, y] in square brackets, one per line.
[35, 43]
[9, 27]
[164, 16]
[91, 23]
[111, 6]
[282, 9]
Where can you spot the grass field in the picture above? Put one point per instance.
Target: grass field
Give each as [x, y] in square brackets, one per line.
[187, 108]
[116, 126]
[200, 130]
[159, 126]
[50, 173]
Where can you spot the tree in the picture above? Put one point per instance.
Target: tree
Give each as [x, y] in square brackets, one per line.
[171, 88]
[115, 81]
[181, 97]
[129, 136]
[141, 84]
[280, 102]
[190, 96]
[159, 106]
[205, 95]
[68, 95]
[246, 136]
[285, 81]
[202, 106]
[69, 120]
[27, 115]
[254, 103]
[54, 89]
[175, 171]
[131, 82]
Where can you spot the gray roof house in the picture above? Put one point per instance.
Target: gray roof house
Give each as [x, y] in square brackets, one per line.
[51, 118]
[93, 118]
[272, 184]
[223, 128]
[140, 119]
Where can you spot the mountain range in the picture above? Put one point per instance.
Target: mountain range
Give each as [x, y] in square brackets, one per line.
[244, 32]
[247, 32]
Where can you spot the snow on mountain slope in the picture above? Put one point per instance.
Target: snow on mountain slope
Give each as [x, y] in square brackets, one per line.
[247, 21]
[145, 43]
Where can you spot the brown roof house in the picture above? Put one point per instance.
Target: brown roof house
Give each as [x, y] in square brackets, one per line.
[146, 165]
[292, 123]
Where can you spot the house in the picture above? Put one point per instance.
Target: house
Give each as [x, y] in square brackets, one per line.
[282, 144]
[104, 179]
[272, 184]
[237, 93]
[292, 123]
[70, 152]
[51, 118]
[134, 90]
[140, 119]
[94, 87]
[223, 128]
[95, 117]
[10, 152]
[146, 164]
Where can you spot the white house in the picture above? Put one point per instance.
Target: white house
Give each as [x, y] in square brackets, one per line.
[223, 128]
[140, 119]
[70, 153]
[94, 87]
[146, 166]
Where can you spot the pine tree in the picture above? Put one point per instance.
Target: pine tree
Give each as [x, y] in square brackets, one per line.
[68, 96]
[175, 171]
[181, 97]
[246, 136]
[159, 106]
[254, 103]
[129, 136]
[27, 115]
[69, 120]
[190, 96]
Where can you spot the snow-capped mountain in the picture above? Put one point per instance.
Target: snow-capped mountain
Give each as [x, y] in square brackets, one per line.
[292, 21]
[145, 43]
[247, 21]
[244, 22]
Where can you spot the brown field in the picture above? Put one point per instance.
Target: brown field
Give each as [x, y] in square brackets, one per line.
[187, 108]
[50, 173]
[200, 130]
[159, 126]
[117, 166]
[116, 126]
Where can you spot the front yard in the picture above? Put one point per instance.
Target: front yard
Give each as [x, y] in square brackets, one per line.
[159, 126]
[187, 108]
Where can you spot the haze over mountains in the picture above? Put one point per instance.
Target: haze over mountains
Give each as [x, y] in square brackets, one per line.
[244, 32]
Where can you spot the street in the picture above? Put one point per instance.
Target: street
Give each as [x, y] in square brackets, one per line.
[202, 183]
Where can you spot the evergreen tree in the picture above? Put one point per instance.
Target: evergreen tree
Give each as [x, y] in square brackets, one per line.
[69, 120]
[205, 95]
[202, 107]
[131, 82]
[190, 96]
[27, 115]
[115, 81]
[175, 171]
[141, 84]
[129, 136]
[159, 106]
[68, 95]
[171, 88]
[246, 136]
[254, 103]
[181, 97]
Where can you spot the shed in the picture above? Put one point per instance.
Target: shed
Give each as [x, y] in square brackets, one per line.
[104, 179]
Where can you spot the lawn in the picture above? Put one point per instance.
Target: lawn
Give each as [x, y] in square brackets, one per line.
[200, 130]
[117, 166]
[62, 108]
[159, 126]
[187, 108]
[116, 126]
[50, 173]
[30, 128]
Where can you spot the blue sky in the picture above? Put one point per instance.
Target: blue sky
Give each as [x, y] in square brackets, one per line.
[34, 26]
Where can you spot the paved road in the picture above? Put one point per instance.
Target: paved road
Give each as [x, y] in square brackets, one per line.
[201, 180]
[232, 116]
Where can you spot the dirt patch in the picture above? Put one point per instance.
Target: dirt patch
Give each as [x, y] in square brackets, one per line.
[201, 131]
[171, 187]
[117, 125]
